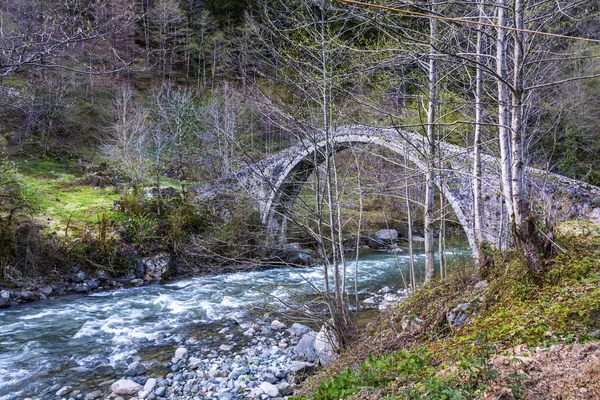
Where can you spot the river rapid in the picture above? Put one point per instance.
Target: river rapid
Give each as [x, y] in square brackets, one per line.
[84, 340]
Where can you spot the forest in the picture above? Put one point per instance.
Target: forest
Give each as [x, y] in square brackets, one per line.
[119, 115]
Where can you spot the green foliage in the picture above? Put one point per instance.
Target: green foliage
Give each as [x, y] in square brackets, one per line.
[17, 200]
[140, 228]
[184, 220]
[409, 374]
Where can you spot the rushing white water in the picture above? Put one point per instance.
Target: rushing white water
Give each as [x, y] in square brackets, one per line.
[68, 340]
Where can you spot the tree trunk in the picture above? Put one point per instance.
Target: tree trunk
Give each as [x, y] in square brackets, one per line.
[429, 176]
[525, 229]
[503, 112]
[477, 205]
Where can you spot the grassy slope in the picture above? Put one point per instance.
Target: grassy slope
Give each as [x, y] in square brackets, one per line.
[64, 198]
[431, 360]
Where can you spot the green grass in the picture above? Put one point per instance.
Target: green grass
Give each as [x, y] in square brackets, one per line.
[60, 199]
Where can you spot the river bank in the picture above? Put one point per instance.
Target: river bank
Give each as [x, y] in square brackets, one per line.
[149, 270]
[85, 340]
[259, 360]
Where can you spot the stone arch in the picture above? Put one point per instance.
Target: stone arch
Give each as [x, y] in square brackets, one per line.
[288, 174]
[280, 177]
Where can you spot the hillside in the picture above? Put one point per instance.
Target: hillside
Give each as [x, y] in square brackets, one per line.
[496, 336]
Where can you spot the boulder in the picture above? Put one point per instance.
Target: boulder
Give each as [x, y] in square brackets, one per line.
[155, 267]
[125, 387]
[458, 315]
[411, 324]
[387, 235]
[305, 349]
[326, 346]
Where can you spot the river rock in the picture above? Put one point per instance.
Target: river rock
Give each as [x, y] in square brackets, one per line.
[81, 288]
[326, 346]
[149, 385]
[269, 389]
[285, 389]
[299, 371]
[78, 276]
[278, 325]
[4, 298]
[135, 368]
[298, 329]
[102, 276]
[293, 253]
[181, 353]
[45, 290]
[387, 235]
[136, 282]
[194, 362]
[390, 300]
[155, 267]
[305, 349]
[64, 390]
[125, 387]
[96, 394]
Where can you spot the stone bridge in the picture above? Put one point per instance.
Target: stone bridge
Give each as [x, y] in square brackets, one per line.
[275, 182]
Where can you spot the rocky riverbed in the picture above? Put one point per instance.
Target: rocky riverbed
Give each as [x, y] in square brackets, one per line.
[90, 341]
[273, 361]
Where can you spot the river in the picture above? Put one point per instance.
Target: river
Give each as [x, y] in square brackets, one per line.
[83, 340]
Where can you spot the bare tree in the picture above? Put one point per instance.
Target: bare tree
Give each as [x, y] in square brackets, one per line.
[128, 139]
[42, 34]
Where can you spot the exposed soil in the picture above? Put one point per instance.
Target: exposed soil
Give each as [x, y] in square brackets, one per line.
[563, 372]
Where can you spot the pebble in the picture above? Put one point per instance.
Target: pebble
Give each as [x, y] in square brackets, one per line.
[64, 390]
[181, 353]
